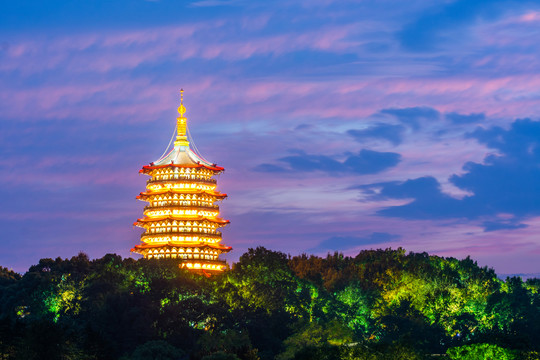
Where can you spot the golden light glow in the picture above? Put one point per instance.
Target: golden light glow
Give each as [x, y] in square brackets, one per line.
[181, 220]
[181, 124]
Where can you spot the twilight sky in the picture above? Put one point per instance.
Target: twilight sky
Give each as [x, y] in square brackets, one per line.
[342, 125]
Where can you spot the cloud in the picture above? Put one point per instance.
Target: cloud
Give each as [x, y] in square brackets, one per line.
[389, 132]
[457, 118]
[337, 243]
[502, 225]
[428, 201]
[520, 142]
[365, 162]
[212, 3]
[504, 184]
[427, 31]
[413, 116]
[109, 52]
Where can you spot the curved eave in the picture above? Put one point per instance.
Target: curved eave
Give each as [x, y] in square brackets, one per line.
[182, 191]
[148, 168]
[182, 244]
[182, 218]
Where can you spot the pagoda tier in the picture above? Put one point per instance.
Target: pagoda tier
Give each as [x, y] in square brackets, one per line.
[181, 220]
[194, 255]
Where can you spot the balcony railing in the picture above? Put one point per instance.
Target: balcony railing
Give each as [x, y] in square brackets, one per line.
[179, 206]
[182, 179]
[216, 235]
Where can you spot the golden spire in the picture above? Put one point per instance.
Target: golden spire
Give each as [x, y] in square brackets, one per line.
[181, 124]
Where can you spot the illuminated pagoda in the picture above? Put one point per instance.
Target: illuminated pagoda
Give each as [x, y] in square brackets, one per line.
[181, 220]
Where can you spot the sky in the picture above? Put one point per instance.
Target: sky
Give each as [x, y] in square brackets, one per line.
[342, 125]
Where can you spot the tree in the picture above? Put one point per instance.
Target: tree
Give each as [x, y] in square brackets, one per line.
[157, 350]
[480, 352]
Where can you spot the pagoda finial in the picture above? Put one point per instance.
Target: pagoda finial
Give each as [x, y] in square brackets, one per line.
[181, 124]
[181, 108]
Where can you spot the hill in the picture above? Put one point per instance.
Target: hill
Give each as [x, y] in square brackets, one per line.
[381, 304]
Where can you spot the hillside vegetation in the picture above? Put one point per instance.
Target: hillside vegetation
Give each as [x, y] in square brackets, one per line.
[381, 304]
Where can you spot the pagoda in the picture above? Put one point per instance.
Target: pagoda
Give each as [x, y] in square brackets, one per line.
[181, 220]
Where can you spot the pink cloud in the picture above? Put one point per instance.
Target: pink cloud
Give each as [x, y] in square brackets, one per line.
[126, 50]
[141, 100]
[530, 16]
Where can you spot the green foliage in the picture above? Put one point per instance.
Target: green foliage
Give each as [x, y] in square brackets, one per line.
[313, 336]
[262, 280]
[64, 298]
[378, 352]
[481, 352]
[230, 342]
[157, 350]
[8, 277]
[355, 306]
[220, 356]
[529, 355]
[381, 304]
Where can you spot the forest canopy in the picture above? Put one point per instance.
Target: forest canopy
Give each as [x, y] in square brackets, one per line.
[380, 304]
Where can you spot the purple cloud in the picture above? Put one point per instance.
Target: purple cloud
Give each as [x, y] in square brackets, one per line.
[504, 184]
[340, 243]
[365, 162]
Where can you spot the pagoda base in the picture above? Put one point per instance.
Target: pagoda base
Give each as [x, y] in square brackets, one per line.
[204, 266]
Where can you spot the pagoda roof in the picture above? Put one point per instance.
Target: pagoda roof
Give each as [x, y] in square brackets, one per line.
[182, 157]
[183, 244]
[181, 218]
[147, 168]
[181, 191]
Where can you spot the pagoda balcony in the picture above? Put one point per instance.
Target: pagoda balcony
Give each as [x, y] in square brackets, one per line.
[206, 261]
[180, 207]
[182, 180]
[186, 260]
[215, 235]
